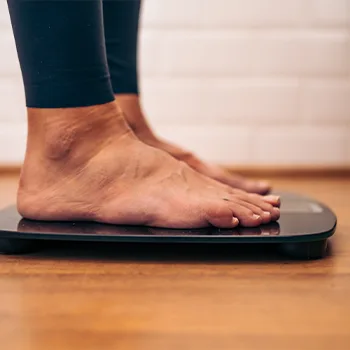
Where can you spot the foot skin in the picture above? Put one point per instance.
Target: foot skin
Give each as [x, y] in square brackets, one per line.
[130, 104]
[87, 164]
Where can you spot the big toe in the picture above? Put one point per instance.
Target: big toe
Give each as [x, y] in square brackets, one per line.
[273, 200]
[220, 215]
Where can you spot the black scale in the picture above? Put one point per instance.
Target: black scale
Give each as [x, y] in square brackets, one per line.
[301, 232]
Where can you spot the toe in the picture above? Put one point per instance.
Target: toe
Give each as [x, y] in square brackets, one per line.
[264, 214]
[235, 180]
[273, 199]
[253, 201]
[220, 215]
[251, 186]
[260, 187]
[246, 216]
[265, 206]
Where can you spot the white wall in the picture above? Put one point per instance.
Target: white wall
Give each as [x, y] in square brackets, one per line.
[239, 81]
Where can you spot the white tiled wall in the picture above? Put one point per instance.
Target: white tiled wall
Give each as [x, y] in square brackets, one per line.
[249, 82]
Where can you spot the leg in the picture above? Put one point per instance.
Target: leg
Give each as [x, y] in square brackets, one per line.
[121, 19]
[82, 161]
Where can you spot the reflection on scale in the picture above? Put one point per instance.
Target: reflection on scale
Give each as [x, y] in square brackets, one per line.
[88, 228]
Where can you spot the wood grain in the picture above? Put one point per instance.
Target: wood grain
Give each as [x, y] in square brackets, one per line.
[77, 299]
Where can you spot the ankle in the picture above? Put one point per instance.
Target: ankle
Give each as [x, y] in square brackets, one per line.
[132, 110]
[59, 134]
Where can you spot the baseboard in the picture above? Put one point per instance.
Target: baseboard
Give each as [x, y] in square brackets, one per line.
[253, 171]
[291, 171]
[10, 170]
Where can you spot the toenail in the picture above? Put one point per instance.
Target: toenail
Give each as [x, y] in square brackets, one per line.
[256, 217]
[267, 213]
[235, 221]
[263, 184]
[274, 198]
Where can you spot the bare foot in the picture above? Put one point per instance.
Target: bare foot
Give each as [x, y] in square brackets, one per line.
[86, 164]
[134, 115]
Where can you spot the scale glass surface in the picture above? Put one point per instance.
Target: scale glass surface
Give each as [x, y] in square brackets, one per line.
[302, 231]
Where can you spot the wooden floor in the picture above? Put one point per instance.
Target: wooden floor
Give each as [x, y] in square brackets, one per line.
[86, 300]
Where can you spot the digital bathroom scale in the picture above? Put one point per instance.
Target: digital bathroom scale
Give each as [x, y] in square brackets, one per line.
[301, 232]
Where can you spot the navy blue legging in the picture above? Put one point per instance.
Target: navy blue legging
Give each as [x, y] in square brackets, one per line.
[76, 53]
